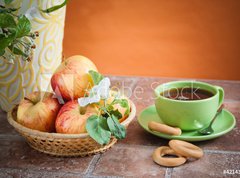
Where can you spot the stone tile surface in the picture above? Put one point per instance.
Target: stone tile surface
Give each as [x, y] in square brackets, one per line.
[211, 165]
[15, 153]
[130, 157]
[123, 84]
[128, 162]
[138, 136]
[26, 173]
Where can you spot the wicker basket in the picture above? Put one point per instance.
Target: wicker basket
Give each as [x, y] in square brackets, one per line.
[64, 144]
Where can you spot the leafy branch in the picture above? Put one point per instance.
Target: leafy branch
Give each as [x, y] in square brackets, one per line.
[100, 127]
[15, 35]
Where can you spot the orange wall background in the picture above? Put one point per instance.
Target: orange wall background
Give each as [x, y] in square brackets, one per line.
[166, 38]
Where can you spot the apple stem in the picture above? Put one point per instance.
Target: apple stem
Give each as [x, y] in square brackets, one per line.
[83, 110]
[29, 100]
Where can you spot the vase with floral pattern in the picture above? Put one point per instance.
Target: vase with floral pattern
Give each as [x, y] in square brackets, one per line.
[22, 78]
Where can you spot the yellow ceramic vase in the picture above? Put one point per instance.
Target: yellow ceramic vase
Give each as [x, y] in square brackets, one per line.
[21, 78]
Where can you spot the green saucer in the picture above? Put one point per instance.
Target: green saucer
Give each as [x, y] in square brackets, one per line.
[223, 124]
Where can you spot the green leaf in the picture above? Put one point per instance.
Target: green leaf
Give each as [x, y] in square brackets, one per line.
[7, 10]
[123, 103]
[23, 26]
[109, 107]
[118, 130]
[127, 111]
[7, 21]
[116, 113]
[2, 51]
[8, 1]
[13, 9]
[96, 77]
[17, 51]
[54, 8]
[4, 10]
[6, 41]
[98, 129]
[103, 123]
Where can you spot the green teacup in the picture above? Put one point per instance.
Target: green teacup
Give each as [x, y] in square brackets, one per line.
[188, 114]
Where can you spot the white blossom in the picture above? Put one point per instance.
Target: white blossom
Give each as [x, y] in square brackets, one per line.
[98, 92]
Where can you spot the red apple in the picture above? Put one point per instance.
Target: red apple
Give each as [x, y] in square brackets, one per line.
[71, 78]
[38, 111]
[72, 119]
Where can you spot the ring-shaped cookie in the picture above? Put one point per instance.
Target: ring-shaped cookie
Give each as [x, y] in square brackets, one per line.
[166, 161]
[163, 128]
[186, 149]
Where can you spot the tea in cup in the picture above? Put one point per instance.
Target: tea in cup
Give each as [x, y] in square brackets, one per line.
[189, 105]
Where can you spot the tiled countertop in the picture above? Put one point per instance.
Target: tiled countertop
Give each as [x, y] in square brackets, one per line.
[130, 157]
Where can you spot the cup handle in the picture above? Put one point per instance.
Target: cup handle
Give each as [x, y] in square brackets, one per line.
[221, 95]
